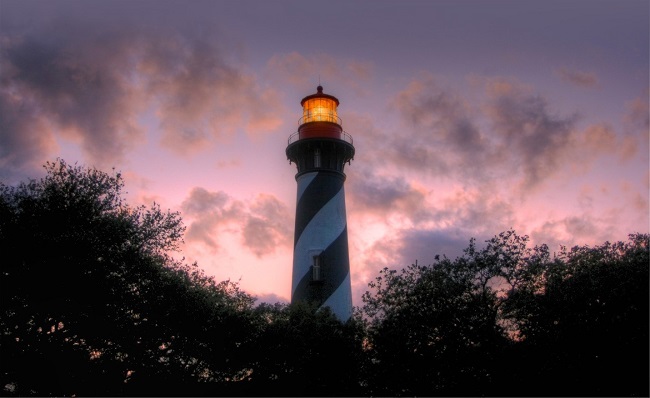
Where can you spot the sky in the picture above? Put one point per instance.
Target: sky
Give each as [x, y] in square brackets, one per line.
[469, 118]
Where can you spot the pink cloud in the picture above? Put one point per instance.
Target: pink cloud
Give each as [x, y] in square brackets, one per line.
[201, 98]
[637, 116]
[600, 137]
[207, 213]
[268, 226]
[571, 230]
[262, 224]
[94, 88]
[76, 87]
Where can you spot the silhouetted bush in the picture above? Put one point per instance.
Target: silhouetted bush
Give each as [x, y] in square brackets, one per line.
[93, 304]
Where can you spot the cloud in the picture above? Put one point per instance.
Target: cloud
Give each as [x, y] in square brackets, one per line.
[600, 139]
[209, 212]
[262, 224]
[482, 209]
[578, 78]
[569, 231]
[637, 116]
[422, 245]
[270, 298]
[199, 94]
[510, 135]
[445, 220]
[299, 69]
[528, 135]
[636, 199]
[201, 202]
[268, 226]
[75, 87]
[637, 124]
[440, 133]
[386, 196]
[21, 154]
[95, 84]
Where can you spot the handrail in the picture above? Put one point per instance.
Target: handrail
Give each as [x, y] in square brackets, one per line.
[296, 136]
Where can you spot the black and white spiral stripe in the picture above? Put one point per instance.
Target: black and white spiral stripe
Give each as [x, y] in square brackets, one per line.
[321, 229]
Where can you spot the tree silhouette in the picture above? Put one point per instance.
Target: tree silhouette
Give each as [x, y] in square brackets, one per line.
[94, 304]
[512, 320]
[304, 351]
[583, 317]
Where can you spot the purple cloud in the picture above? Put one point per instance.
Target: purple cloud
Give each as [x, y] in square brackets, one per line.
[578, 78]
[91, 85]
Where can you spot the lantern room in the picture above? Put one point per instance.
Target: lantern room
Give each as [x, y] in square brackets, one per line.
[319, 107]
[320, 142]
[319, 117]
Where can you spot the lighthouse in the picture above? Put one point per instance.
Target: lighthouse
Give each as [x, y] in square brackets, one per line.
[320, 149]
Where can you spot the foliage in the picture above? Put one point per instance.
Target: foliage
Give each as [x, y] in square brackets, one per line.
[510, 315]
[94, 304]
[303, 351]
[91, 298]
[584, 318]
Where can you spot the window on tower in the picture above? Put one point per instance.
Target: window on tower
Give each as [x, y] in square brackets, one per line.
[317, 162]
[316, 268]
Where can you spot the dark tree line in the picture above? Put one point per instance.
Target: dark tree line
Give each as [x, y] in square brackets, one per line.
[92, 304]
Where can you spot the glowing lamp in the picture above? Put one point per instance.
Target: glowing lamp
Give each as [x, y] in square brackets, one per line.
[320, 109]
[319, 117]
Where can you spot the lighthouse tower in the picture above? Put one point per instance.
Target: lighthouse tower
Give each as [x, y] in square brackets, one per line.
[321, 265]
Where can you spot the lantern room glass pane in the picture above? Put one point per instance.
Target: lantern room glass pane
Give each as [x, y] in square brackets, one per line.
[319, 110]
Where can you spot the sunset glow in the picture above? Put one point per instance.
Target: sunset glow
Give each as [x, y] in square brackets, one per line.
[469, 118]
